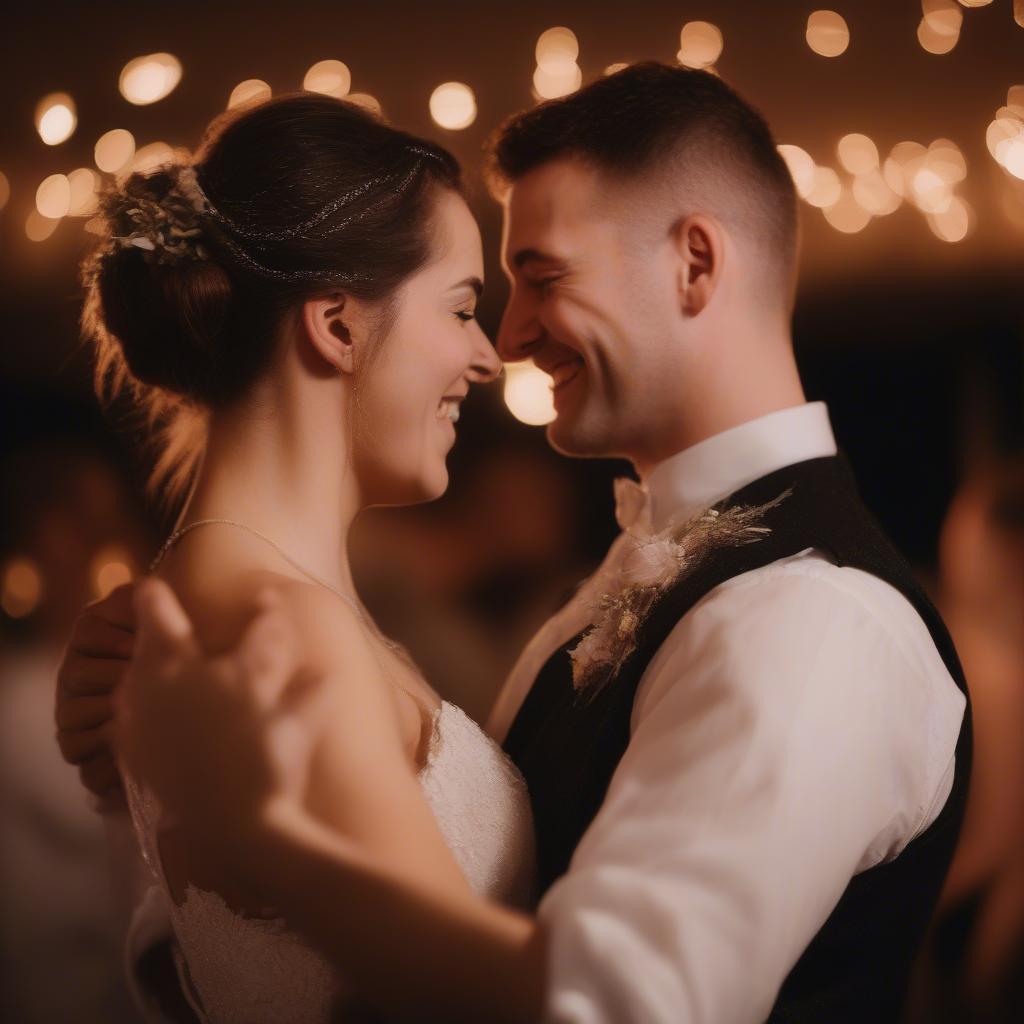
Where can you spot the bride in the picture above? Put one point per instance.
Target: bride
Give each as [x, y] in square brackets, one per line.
[293, 312]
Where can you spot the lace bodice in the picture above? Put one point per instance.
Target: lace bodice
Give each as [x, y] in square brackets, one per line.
[239, 970]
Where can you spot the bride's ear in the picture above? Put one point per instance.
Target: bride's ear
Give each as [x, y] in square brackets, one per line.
[327, 322]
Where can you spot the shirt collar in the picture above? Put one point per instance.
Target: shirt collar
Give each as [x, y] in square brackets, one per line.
[705, 473]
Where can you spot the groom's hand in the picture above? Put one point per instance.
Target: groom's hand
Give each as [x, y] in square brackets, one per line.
[218, 738]
[93, 669]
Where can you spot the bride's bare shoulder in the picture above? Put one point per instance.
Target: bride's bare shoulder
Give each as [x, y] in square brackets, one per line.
[333, 634]
[222, 605]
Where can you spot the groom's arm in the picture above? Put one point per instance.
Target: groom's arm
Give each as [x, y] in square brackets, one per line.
[785, 737]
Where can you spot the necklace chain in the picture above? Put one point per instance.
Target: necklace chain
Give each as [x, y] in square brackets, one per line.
[348, 599]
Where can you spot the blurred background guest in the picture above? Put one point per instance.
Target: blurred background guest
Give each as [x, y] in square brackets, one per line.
[71, 532]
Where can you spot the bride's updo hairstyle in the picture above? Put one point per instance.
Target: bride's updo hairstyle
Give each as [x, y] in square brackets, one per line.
[202, 261]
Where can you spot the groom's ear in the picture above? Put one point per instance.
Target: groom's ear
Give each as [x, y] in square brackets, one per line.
[327, 322]
[699, 249]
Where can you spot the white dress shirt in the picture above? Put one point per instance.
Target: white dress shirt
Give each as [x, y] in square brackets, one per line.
[797, 727]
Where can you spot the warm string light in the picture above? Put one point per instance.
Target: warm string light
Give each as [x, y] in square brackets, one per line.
[939, 29]
[252, 90]
[366, 101]
[453, 106]
[827, 34]
[330, 77]
[39, 228]
[110, 567]
[557, 72]
[1005, 134]
[152, 157]
[700, 45]
[56, 118]
[528, 394]
[149, 79]
[53, 197]
[21, 588]
[114, 149]
[925, 176]
[85, 184]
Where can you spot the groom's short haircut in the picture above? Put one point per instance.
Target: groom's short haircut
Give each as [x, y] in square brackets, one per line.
[676, 135]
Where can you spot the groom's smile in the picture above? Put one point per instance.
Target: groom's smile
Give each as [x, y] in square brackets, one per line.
[562, 373]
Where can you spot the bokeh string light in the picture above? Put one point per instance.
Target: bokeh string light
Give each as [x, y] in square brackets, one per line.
[150, 79]
[367, 102]
[85, 183]
[110, 567]
[857, 153]
[114, 149]
[252, 90]
[827, 33]
[21, 588]
[453, 106]
[528, 394]
[700, 45]
[53, 197]
[151, 157]
[924, 176]
[1004, 136]
[801, 168]
[331, 77]
[56, 118]
[558, 72]
[39, 228]
[5, 190]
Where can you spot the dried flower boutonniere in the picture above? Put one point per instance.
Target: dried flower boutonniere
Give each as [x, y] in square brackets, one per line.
[648, 569]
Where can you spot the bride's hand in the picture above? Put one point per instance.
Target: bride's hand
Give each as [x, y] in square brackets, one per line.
[220, 739]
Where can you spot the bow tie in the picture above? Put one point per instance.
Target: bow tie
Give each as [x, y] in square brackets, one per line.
[632, 506]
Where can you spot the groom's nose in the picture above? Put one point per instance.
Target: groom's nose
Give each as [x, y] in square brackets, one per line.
[520, 331]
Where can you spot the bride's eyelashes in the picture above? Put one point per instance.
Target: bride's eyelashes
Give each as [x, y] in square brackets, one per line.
[466, 315]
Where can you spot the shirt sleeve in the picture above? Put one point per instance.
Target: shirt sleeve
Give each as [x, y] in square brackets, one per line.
[782, 745]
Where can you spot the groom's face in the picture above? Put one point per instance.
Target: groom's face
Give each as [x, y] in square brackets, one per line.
[585, 305]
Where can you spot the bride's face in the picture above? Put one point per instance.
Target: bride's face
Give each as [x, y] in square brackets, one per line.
[432, 353]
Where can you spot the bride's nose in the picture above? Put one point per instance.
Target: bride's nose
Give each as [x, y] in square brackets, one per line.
[485, 365]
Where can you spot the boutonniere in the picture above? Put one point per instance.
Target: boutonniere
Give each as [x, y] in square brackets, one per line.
[650, 567]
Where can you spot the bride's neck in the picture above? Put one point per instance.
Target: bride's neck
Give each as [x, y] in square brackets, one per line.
[281, 467]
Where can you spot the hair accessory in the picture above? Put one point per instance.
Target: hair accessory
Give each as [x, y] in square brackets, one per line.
[169, 227]
[233, 232]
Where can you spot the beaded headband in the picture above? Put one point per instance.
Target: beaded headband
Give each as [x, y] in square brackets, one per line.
[170, 229]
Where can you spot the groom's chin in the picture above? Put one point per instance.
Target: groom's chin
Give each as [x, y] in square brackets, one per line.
[569, 437]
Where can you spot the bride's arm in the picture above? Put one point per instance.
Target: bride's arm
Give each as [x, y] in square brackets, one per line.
[376, 886]
[362, 779]
[410, 943]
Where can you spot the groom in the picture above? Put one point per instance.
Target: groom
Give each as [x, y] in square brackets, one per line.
[751, 816]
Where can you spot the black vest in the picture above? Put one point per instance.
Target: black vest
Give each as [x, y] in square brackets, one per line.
[856, 968]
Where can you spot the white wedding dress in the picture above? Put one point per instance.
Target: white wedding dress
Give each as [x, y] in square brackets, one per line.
[238, 970]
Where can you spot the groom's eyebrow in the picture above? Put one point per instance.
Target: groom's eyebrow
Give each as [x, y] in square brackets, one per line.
[470, 282]
[524, 256]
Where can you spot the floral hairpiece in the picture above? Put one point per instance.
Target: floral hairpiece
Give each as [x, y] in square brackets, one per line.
[168, 227]
[653, 565]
